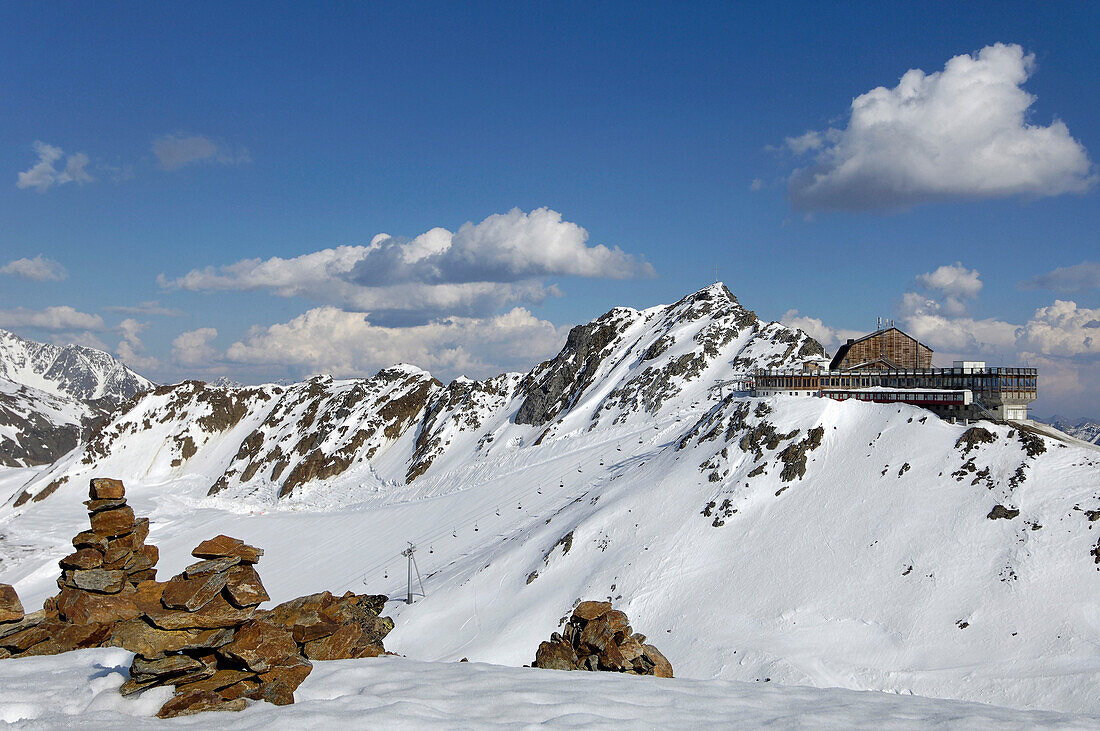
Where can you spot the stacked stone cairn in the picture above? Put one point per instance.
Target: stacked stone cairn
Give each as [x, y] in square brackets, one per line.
[200, 631]
[598, 637]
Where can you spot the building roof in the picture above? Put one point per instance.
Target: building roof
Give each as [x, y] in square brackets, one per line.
[843, 349]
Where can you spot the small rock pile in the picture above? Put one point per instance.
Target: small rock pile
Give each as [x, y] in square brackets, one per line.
[99, 579]
[201, 631]
[598, 637]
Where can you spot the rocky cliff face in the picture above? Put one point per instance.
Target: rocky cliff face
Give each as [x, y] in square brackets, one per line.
[51, 397]
[85, 374]
[400, 424]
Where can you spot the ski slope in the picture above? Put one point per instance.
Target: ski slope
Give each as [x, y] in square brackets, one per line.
[787, 540]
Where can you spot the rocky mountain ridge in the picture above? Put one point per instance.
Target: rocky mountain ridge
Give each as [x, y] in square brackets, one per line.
[393, 427]
[52, 396]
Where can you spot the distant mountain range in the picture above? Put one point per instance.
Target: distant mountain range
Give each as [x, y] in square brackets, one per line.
[1087, 430]
[50, 395]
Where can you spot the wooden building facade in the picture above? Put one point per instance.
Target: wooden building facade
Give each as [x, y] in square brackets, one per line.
[885, 350]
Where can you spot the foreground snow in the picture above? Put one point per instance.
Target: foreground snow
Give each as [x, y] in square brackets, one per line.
[80, 690]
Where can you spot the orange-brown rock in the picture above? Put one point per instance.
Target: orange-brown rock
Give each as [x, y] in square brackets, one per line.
[141, 637]
[662, 668]
[277, 686]
[11, 609]
[83, 558]
[82, 607]
[591, 610]
[244, 587]
[32, 630]
[87, 539]
[192, 594]
[105, 488]
[142, 560]
[556, 656]
[261, 646]
[598, 637]
[223, 546]
[68, 637]
[218, 612]
[111, 523]
[198, 701]
[247, 688]
[349, 641]
[100, 581]
[94, 506]
[223, 678]
[141, 532]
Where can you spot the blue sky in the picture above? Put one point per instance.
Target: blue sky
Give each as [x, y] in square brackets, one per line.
[144, 147]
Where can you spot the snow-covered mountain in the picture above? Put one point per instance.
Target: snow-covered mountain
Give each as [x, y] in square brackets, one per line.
[1087, 430]
[75, 371]
[791, 539]
[51, 395]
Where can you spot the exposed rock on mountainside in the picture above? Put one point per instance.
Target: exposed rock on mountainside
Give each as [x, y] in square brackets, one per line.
[282, 440]
[85, 374]
[598, 637]
[52, 397]
[201, 631]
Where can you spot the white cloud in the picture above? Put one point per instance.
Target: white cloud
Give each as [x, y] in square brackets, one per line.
[958, 133]
[39, 269]
[830, 337]
[953, 280]
[45, 174]
[175, 151]
[60, 317]
[1062, 328]
[192, 348]
[329, 340]
[475, 270]
[1076, 278]
[130, 349]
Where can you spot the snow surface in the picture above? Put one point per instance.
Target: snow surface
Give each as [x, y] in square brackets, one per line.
[79, 690]
[876, 570]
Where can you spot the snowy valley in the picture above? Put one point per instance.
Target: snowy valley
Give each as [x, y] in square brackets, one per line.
[780, 541]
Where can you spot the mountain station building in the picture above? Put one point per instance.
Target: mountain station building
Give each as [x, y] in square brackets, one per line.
[889, 366]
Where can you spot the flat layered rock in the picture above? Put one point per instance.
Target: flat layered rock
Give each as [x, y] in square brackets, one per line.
[115, 522]
[81, 607]
[244, 587]
[82, 558]
[224, 546]
[192, 594]
[261, 646]
[591, 610]
[199, 701]
[277, 686]
[102, 581]
[87, 539]
[105, 488]
[11, 609]
[346, 643]
[218, 612]
[140, 637]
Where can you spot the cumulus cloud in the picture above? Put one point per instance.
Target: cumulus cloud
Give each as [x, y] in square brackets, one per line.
[61, 317]
[957, 133]
[130, 349]
[1062, 328]
[954, 280]
[478, 269]
[193, 348]
[175, 151]
[330, 340]
[44, 174]
[39, 269]
[1076, 278]
[830, 337]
